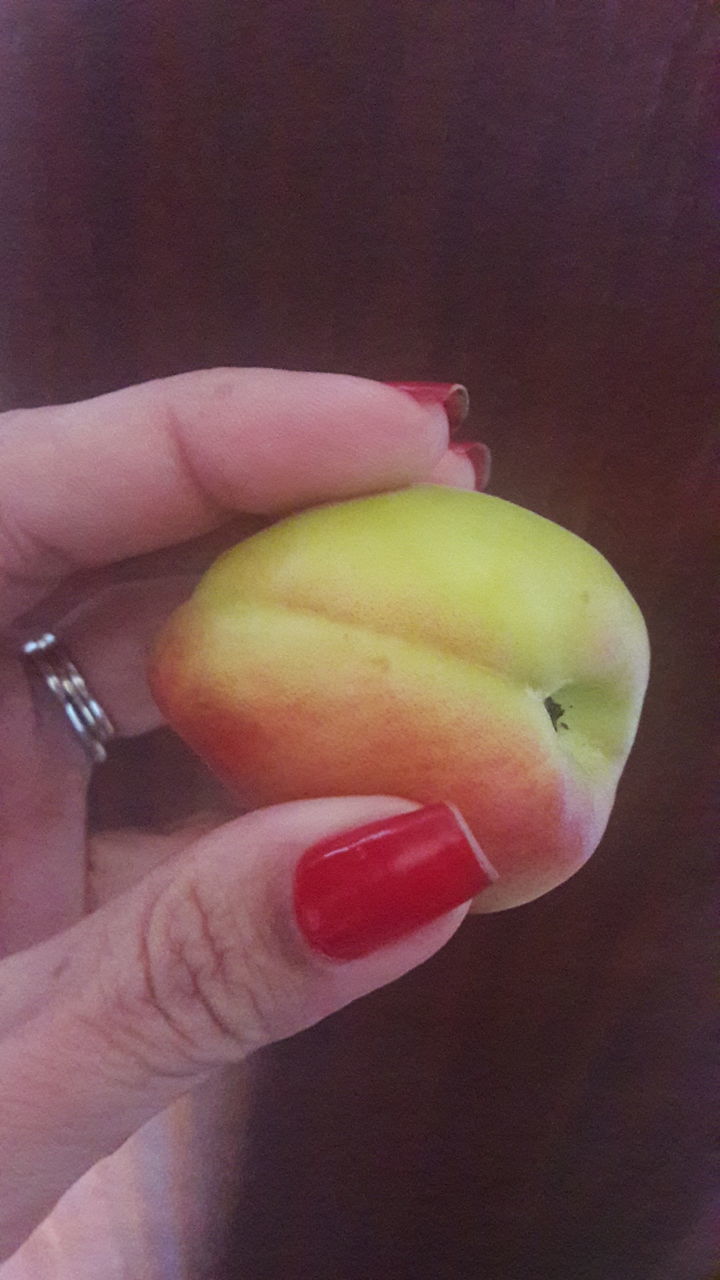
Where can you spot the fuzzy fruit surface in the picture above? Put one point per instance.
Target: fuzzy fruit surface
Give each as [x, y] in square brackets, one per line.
[430, 643]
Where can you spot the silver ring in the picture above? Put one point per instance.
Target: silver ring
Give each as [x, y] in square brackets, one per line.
[51, 661]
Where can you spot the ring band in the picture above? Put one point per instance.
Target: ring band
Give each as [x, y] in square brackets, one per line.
[50, 660]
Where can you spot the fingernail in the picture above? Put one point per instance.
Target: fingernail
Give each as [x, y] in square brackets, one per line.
[453, 397]
[370, 887]
[479, 455]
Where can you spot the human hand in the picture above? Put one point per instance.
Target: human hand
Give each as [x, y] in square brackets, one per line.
[113, 1005]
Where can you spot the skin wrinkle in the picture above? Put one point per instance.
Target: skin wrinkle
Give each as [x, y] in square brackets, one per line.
[11, 544]
[112, 1008]
[175, 432]
[185, 960]
[190, 970]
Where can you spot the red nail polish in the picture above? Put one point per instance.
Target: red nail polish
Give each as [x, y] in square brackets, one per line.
[453, 397]
[363, 889]
[479, 455]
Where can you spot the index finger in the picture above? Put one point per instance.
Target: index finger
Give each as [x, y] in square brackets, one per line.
[87, 484]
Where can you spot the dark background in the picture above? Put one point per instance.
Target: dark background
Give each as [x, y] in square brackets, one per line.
[517, 195]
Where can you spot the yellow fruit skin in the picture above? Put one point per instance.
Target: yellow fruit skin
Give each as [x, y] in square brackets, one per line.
[406, 644]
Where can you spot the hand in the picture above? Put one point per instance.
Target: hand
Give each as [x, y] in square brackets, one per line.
[114, 1004]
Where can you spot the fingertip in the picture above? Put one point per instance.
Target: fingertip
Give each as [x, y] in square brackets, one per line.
[422, 427]
[453, 398]
[311, 437]
[478, 454]
[454, 470]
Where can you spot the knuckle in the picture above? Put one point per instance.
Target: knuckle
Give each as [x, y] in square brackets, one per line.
[187, 966]
[203, 995]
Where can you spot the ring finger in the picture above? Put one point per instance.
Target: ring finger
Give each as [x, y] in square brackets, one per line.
[111, 638]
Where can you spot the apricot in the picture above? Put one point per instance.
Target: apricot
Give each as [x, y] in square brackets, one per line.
[429, 643]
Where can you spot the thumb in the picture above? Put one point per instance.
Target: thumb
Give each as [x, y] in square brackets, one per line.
[259, 929]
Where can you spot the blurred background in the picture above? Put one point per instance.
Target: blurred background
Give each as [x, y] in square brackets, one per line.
[517, 196]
